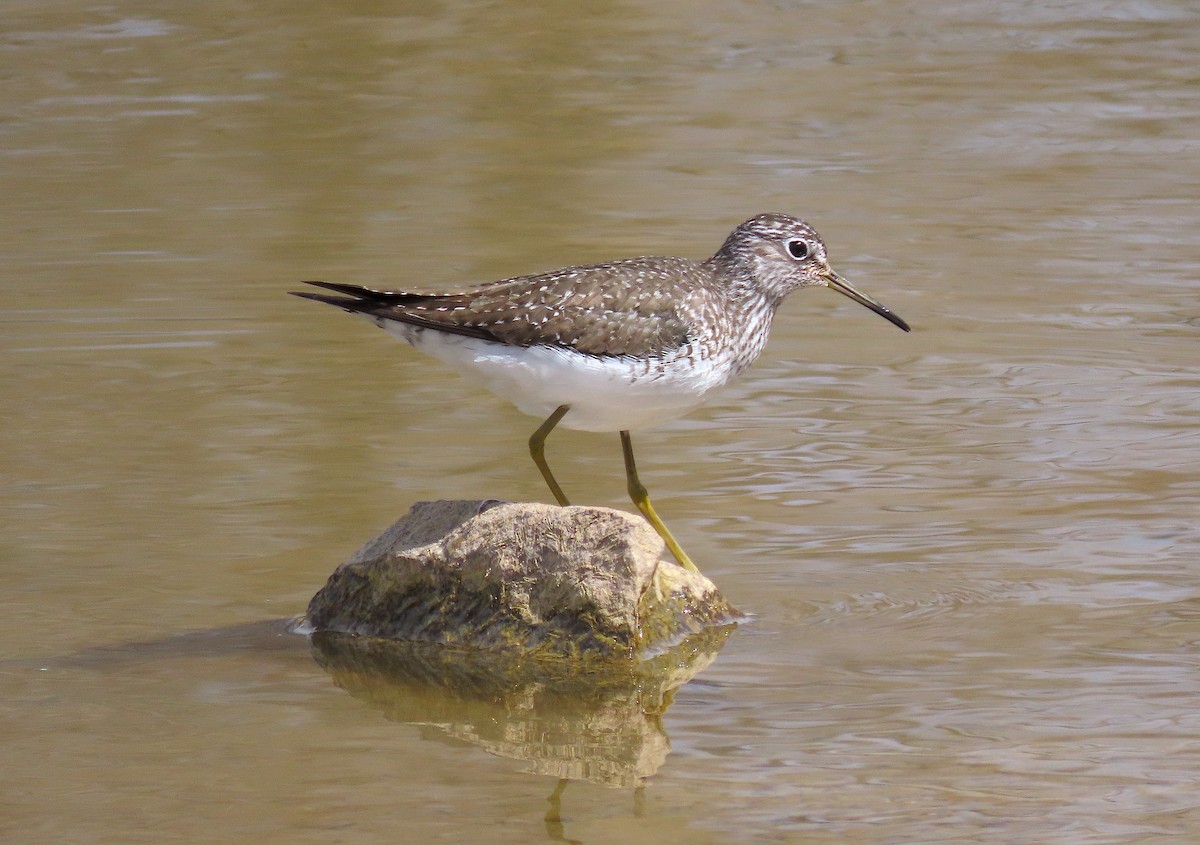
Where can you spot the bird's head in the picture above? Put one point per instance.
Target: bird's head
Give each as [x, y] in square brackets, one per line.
[776, 253]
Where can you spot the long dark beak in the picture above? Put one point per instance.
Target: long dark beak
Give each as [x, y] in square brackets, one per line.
[846, 289]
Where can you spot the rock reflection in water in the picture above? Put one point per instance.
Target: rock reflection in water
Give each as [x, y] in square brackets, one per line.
[595, 722]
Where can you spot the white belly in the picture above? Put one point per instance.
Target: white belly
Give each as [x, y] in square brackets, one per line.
[605, 394]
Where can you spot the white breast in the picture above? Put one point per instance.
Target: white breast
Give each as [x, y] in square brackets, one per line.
[605, 393]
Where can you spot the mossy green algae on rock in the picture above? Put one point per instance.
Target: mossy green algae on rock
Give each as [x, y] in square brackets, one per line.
[523, 579]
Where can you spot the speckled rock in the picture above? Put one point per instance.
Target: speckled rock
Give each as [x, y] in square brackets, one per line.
[523, 579]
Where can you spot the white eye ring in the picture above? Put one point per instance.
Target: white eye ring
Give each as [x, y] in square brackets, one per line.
[798, 249]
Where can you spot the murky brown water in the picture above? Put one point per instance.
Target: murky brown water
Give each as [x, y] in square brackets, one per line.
[972, 551]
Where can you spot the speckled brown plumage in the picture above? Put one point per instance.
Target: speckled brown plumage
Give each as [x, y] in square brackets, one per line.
[631, 307]
[641, 307]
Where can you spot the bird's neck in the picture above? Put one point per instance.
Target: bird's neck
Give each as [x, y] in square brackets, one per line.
[750, 316]
[751, 308]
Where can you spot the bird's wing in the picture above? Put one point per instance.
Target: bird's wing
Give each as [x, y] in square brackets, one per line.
[625, 307]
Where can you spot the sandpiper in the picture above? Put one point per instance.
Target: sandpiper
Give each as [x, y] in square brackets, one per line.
[617, 346]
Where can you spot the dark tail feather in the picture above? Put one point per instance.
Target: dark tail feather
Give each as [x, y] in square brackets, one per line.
[357, 291]
[365, 295]
[351, 305]
[389, 305]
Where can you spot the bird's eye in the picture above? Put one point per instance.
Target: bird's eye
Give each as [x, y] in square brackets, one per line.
[798, 249]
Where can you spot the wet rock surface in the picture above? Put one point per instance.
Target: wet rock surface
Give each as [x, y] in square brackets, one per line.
[523, 579]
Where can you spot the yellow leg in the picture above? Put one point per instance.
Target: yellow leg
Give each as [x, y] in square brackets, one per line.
[641, 498]
[537, 448]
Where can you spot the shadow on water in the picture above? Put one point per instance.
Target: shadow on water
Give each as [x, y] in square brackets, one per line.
[253, 639]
